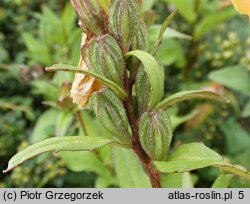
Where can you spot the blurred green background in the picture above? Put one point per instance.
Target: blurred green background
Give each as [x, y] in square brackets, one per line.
[207, 47]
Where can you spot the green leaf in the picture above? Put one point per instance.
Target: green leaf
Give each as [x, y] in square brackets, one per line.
[62, 123]
[129, 170]
[235, 169]
[46, 89]
[33, 44]
[68, 18]
[188, 157]
[187, 9]
[84, 161]
[222, 181]
[211, 21]
[110, 84]
[37, 50]
[241, 158]
[162, 31]
[45, 125]
[187, 95]
[154, 72]
[177, 120]
[171, 52]
[60, 78]
[93, 125]
[166, 24]
[52, 26]
[237, 139]
[75, 143]
[235, 77]
[74, 41]
[105, 154]
[178, 180]
[154, 32]
[193, 156]
[105, 182]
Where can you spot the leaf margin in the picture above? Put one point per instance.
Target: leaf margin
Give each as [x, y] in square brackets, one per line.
[155, 75]
[218, 162]
[56, 144]
[110, 84]
[187, 95]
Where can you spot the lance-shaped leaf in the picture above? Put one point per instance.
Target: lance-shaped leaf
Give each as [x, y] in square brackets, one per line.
[187, 95]
[108, 83]
[57, 144]
[154, 72]
[154, 32]
[193, 156]
[162, 31]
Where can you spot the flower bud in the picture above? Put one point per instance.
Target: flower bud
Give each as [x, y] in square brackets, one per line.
[112, 115]
[142, 89]
[103, 56]
[124, 21]
[92, 16]
[140, 42]
[155, 132]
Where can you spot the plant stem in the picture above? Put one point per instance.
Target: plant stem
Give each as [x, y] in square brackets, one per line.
[79, 116]
[151, 171]
[192, 53]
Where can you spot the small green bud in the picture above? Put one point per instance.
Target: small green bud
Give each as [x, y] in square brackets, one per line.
[140, 42]
[142, 89]
[124, 21]
[155, 132]
[92, 16]
[103, 55]
[112, 115]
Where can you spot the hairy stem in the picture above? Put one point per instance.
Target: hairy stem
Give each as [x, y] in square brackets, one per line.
[151, 171]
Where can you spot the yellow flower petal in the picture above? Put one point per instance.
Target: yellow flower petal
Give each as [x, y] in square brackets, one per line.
[242, 6]
[83, 85]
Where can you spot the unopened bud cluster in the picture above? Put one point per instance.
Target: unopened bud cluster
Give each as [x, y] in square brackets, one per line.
[111, 33]
[155, 134]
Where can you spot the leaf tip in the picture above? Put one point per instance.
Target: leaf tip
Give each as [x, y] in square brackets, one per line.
[10, 167]
[7, 170]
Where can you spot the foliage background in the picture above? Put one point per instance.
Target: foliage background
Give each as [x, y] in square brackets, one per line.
[211, 50]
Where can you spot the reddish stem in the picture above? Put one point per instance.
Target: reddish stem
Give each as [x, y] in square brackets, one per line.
[151, 171]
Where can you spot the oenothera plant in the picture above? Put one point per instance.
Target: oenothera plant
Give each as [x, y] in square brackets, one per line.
[120, 77]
